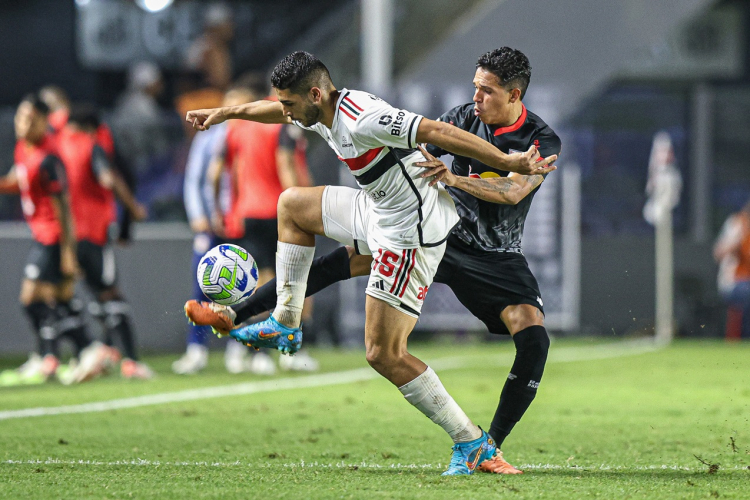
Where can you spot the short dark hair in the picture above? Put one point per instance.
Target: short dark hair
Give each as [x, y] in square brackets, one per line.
[510, 66]
[84, 115]
[36, 102]
[299, 72]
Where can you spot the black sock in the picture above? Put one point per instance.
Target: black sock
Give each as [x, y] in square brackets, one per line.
[70, 324]
[532, 345]
[324, 272]
[42, 318]
[117, 324]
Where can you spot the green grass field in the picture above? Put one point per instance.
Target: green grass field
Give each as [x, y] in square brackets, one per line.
[610, 421]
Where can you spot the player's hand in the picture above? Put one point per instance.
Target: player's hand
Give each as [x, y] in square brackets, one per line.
[68, 263]
[139, 212]
[436, 169]
[531, 163]
[202, 119]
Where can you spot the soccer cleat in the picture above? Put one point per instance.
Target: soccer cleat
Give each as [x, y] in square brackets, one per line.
[498, 465]
[271, 334]
[36, 370]
[194, 360]
[467, 456]
[135, 370]
[95, 360]
[219, 318]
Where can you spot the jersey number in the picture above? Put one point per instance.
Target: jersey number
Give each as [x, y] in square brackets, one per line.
[386, 260]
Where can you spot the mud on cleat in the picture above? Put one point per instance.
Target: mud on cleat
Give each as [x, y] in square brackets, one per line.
[219, 318]
[468, 456]
[270, 334]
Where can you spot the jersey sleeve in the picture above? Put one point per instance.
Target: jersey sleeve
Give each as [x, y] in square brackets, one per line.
[380, 124]
[547, 142]
[99, 160]
[52, 175]
[456, 117]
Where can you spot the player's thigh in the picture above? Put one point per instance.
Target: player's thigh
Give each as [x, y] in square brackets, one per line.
[300, 208]
[517, 317]
[344, 213]
[386, 328]
[42, 274]
[37, 291]
[98, 265]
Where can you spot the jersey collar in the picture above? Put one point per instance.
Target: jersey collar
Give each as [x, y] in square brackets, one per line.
[343, 93]
[512, 128]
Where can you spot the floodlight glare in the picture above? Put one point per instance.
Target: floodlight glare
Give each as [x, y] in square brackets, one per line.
[153, 5]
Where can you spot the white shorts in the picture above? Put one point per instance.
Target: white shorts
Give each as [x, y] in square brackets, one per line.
[399, 276]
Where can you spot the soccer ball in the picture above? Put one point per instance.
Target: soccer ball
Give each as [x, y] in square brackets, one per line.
[227, 274]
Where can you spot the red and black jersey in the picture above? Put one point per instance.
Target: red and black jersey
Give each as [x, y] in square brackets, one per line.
[41, 175]
[485, 225]
[92, 204]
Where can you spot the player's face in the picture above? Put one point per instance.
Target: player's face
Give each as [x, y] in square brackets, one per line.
[301, 108]
[492, 103]
[30, 124]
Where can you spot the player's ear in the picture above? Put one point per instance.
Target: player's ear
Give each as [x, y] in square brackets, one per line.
[316, 95]
[514, 95]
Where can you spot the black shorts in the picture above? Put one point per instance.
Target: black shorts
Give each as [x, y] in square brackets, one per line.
[488, 282]
[43, 263]
[98, 265]
[260, 240]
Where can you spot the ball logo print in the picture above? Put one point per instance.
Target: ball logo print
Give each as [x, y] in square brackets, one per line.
[227, 274]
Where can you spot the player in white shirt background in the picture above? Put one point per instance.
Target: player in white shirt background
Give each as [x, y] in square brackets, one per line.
[397, 216]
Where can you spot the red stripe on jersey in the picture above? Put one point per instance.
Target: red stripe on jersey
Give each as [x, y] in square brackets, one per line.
[341, 108]
[362, 160]
[408, 273]
[398, 273]
[352, 103]
[512, 128]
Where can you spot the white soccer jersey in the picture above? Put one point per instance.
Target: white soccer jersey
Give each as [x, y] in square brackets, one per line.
[377, 142]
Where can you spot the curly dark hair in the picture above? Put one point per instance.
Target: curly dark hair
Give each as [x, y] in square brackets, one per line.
[510, 66]
[299, 72]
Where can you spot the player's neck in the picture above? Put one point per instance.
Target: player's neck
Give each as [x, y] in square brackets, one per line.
[516, 110]
[329, 108]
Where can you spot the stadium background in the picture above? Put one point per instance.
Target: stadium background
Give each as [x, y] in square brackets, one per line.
[606, 75]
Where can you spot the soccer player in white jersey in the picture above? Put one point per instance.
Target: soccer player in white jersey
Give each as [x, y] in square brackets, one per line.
[403, 219]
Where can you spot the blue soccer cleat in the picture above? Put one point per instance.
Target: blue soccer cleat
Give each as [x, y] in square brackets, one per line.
[467, 456]
[270, 334]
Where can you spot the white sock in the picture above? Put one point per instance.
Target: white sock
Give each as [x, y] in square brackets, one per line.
[292, 267]
[428, 395]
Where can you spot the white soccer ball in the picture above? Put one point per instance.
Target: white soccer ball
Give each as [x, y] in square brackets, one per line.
[227, 274]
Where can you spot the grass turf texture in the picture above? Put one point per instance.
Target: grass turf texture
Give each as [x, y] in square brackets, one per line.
[622, 427]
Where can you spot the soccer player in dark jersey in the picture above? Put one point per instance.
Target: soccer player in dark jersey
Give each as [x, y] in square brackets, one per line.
[483, 262]
[39, 177]
[93, 185]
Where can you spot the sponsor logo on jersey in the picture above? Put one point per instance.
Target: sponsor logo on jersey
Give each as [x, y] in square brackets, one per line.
[539, 299]
[385, 120]
[377, 195]
[346, 142]
[398, 124]
[378, 284]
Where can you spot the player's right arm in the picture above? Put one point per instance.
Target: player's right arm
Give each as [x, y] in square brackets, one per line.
[462, 143]
[258, 111]
[9, 183]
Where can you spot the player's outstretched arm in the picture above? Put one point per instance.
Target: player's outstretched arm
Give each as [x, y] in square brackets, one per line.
[503, 190]
[9, 183]
[463, 143]
[257, 111]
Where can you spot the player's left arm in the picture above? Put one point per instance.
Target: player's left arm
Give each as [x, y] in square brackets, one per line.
[285, 161]
[9, 183]
[462, 143]
[54, 184]
[502, 190]
[110, 179]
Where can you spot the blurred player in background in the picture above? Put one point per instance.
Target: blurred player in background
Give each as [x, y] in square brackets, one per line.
[399, 217]
[483, 263]
[261, 162]
[732, 253]
[93, 185]
[39, 177]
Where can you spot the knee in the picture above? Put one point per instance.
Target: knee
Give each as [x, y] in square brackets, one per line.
[291, 200]
[381, 358]
[534, 341]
